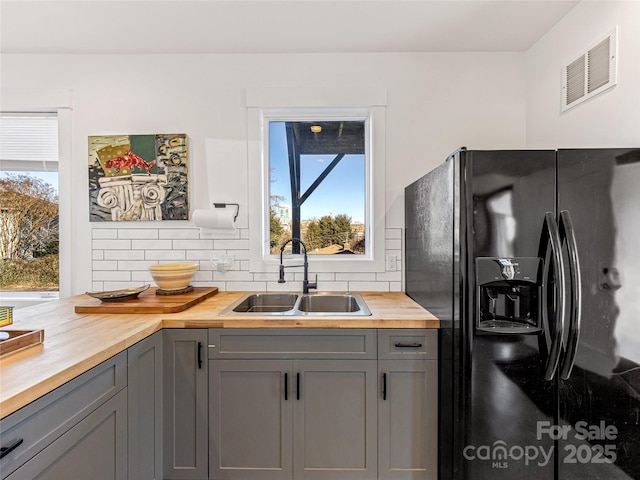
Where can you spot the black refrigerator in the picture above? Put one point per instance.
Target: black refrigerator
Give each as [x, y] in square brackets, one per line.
[531, 260]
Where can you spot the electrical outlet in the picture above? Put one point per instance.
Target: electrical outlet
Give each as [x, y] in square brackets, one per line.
[391, 263]
[223, 263]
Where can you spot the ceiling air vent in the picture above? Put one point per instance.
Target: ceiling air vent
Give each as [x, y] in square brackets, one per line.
[591, 73]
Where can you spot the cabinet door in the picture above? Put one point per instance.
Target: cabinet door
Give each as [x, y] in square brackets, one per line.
[185, 404]
[145, 408]
[407, 420]
[250, 427]
[334, 419]
[95, 448]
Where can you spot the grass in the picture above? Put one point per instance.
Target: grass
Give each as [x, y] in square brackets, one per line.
[39, 274]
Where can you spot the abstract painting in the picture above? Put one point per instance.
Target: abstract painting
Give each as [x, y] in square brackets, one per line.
[138, 177]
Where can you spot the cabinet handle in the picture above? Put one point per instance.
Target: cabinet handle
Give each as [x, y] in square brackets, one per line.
[298, 386]
[199, 355]
[408, 345]
[384, 386]
[7, 450]
[286, 386]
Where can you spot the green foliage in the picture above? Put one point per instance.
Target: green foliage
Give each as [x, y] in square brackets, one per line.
[328, 230]
[275, 228]
[28, 216]
[35, 274]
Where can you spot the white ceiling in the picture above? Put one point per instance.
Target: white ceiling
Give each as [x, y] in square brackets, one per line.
[267, 26]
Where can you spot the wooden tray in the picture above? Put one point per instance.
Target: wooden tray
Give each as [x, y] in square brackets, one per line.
[19, 340]
[149, 302]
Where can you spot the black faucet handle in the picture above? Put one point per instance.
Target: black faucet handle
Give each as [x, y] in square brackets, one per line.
[313, 285]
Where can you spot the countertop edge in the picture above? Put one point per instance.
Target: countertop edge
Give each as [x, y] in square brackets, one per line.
[124, 330]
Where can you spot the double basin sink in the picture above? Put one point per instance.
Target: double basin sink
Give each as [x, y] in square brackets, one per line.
[278, 304]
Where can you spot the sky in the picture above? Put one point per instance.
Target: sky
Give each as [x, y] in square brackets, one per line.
[49, 177]
[342, 192]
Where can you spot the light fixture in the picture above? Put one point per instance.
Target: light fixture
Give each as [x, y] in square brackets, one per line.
[316, 128]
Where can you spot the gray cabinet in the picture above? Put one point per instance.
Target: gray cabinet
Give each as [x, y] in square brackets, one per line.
[95, 448]
[334, 420]
[185, 405]
[79, 411]
[302, 406]
[250, 416]
[408, 405]
[145, 408]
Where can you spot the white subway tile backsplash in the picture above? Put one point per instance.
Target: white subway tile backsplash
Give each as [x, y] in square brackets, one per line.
[365, 277]
[104, 265]
[152, 244]
[112, 276]
[121, 258]
[165, 256]
[203, 276]
[119, 285]
[175, 234]
[135, 265]
[104, 233]
[393, 233]
[389, 276]
[393, 244]
[124, 255]
[199, 255]
[138, 233]
[239, 244]
[141, 276]
[193, 244]
[322, 276]
[246, 286]
[369, 286]
[333, 286]
[109, 244]
[239, 254]
[233, 276]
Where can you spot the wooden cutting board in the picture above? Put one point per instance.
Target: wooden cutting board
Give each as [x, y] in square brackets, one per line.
[149, 302]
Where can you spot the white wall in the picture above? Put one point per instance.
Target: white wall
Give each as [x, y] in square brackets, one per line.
[436, 103]
[611, 119]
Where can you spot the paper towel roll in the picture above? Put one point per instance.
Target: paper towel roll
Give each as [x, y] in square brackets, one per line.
[216, 220]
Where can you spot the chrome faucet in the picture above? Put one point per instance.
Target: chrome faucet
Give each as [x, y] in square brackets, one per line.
[305, 281]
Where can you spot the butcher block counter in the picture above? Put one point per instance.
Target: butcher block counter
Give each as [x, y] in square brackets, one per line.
[75, 342]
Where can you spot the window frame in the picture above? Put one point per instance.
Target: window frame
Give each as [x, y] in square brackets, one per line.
[263, 108]
[330, 115]
[46, 164]
[30, 100]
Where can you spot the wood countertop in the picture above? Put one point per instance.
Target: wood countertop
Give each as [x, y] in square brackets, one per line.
[74, 343]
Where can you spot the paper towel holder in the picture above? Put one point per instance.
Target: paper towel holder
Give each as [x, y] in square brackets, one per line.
[225, 205]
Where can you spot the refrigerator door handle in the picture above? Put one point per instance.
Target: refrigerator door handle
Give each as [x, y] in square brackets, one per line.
[575, 317]
[551, 238]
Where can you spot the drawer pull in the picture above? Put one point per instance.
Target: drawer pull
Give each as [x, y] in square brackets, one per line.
[199, 355]
[7, 450]
[408, 345]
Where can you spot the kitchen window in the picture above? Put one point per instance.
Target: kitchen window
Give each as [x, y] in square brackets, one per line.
[328, 190]
[318, 184]
[29, 213]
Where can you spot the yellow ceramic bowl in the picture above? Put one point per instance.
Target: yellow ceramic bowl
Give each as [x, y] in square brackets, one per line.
[173, 276]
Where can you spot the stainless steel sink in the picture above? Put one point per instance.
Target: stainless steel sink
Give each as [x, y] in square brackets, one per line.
[312, 304]
[346, 303]
[266, 303]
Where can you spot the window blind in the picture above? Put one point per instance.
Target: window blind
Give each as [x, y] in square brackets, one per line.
[28, 142]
